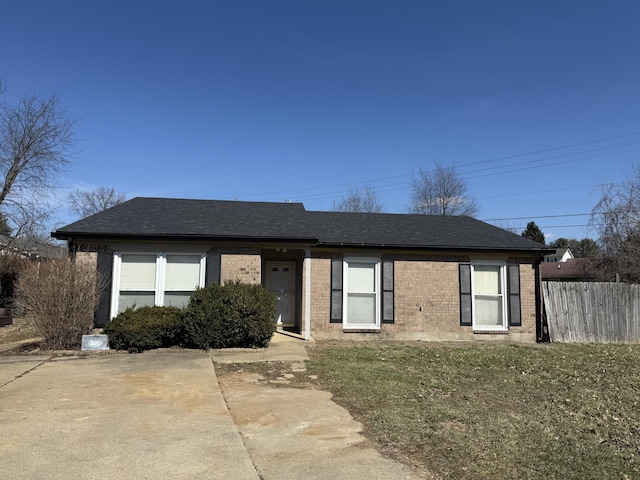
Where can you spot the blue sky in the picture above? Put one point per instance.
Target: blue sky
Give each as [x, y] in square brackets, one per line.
[297, 100]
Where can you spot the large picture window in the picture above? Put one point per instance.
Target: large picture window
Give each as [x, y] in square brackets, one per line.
[142, 279]
[361, 297]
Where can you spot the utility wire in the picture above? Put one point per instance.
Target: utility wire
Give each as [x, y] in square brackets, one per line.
[307, 189]
[538, 216]
[552, 149]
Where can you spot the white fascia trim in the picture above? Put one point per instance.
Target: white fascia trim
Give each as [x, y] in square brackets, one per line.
[115, 284]
[203, 270]
[307, 294]
[161, 269]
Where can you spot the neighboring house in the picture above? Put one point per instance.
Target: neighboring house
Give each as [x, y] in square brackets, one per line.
[576, 270]
[29, 249]
[335, 274]
[560, 255]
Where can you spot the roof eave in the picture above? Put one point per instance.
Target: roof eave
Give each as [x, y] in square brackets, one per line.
[406, 246]
[172, 237]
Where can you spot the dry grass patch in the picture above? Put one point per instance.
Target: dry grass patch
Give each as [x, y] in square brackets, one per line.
[494, 411]
[22, 328]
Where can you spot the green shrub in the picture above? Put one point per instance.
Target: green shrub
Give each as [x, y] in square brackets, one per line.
[231, 315]
[145, 328]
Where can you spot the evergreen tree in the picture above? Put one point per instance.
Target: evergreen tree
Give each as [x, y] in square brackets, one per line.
[534, 233]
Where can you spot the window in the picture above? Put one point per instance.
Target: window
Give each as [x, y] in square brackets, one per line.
[488, 297]
[143, 279]
[181, 279]
[361, 293]
[137, 281]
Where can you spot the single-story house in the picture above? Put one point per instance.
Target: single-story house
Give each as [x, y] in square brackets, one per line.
[335, 274]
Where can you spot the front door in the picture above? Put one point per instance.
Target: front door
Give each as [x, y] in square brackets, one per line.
[281, 282]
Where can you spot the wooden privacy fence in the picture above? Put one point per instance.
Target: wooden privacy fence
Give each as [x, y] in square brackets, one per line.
[592, 312]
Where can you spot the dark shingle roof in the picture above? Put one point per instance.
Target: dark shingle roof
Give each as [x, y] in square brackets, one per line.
[403, 230]
[170, 217]
[213, 219]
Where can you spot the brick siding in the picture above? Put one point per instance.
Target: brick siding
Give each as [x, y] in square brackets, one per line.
[426, 303]
[243, 267]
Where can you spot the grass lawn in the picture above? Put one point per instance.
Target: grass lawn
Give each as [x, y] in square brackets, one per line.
[494, 411]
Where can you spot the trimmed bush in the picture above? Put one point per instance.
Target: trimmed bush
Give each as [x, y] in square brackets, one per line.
[235, 314]
[145, 328]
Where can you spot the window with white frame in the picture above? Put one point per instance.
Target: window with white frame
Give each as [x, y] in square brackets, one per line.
[361, 296]
[182, 277]
[162, 279]
[137, 281]
[488, 296]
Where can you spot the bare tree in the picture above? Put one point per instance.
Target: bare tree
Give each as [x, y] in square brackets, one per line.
[35, 140]
[616, 218]
[363, 199]
[441, 191]
[84, 203]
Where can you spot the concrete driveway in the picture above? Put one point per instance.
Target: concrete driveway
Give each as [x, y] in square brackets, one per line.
[162, 414]
[154, 415]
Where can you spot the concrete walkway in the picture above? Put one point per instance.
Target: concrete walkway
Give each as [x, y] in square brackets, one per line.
[282, 348]
[294, 433]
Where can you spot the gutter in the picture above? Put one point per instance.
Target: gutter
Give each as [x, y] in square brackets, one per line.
[464, 248]
[542, 329]
[164, 237]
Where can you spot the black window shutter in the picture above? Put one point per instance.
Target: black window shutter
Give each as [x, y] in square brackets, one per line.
[387, 292]
[513, 281]
[105, 270]
[336, 291]
[465, 294]
[212, 274]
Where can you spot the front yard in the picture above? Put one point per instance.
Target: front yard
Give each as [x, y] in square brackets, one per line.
[21, 329]
[493, 411]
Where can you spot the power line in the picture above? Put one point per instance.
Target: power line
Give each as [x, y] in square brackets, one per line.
[554, 163]
[284, 192]
[538, 192]
[332, 194]
[552, 149]
[538, 216]
[566, 155]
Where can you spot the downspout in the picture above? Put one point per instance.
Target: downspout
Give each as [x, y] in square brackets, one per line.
[542, 332]
[307, 294]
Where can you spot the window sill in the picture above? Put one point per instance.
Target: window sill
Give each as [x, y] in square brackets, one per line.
[361, 330]
[491, 332]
